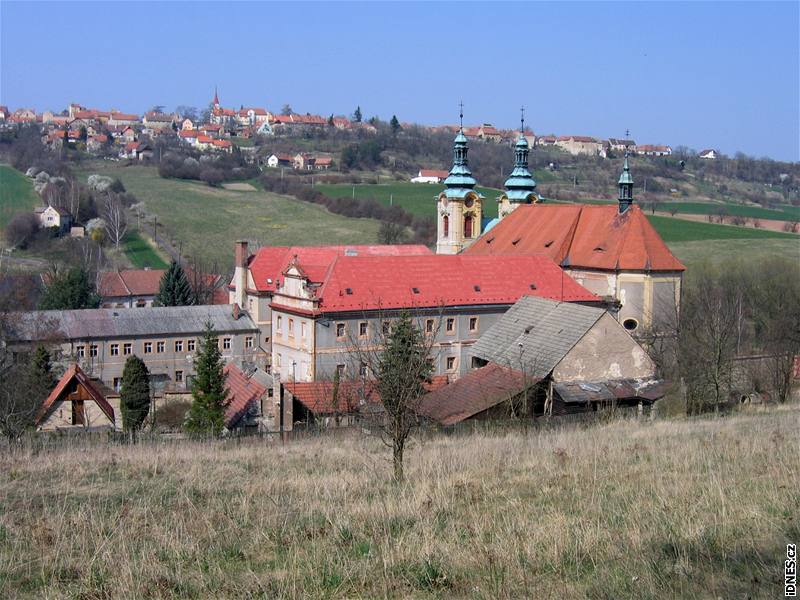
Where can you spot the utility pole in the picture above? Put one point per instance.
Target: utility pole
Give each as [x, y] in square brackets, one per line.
[155, 224]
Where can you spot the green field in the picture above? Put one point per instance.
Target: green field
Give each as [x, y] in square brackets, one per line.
[681, 230]
[140, 253]
[695, 253]
[417, 198]
[208, 220]
[16, 195]
[786, 213]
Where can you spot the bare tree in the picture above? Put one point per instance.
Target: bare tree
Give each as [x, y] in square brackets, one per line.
[116, 220]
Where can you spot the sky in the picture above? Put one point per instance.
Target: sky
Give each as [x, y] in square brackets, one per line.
[718, 75]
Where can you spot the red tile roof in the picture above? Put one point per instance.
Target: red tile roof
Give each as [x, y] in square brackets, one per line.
[269, 263]
[123, 117]
[591, 237]
[475, 392]
[188, 133]
[221, 143]
[392, 282]
[433, 173]
[204, 139]
[242, 392]
[132, 146]
[95, 389]
[317, 396]
[130, 282]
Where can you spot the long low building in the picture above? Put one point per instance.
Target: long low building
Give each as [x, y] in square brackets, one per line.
[165, 338]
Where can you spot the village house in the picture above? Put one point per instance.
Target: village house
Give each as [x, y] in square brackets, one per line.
[158, 121]
[187, 124]
[581, 144]
[4, 114]
[323, 163]
[251, 404]
[54, 216]
[79, 403]
[303, 161]
[248, 117]
[621, 146]
[117, 118]
[166, 338]
[321, 317]
[138, 288]
[136, 151]
[430, 176]
[546, 140]
[709, 154]
[563, 357]
[280, 160]
[97, 142]
[653, 150]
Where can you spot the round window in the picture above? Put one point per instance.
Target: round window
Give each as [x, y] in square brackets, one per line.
[630, 324]
[469, 202]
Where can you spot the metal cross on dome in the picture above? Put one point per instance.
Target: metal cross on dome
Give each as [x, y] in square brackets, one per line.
[461, 113]
[522, 120]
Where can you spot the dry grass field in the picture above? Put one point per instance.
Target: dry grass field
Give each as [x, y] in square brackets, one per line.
[688, 508]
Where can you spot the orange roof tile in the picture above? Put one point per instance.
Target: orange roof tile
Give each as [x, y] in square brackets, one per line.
[242, 392]
[95, 390]
[583, 236]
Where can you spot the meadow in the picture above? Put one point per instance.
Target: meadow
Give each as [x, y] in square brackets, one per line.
[16, 195]
[699, 508]
[141, 253]
[680, 230]
[206, 220]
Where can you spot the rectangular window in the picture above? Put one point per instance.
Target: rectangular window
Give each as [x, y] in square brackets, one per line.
[362, 329]
[303, 329]
[160, 347]
[141, 303]
[340, 330]
[450, 327]
[279, 325]
[386, 327]
[278, 360]
[429, 326]
[473, 324]
[178, 376]
[80, 351]
[226, 343]
[114, 350]
[148, 347]
[93, 350]
[340, 369]
[190, 345]
[127, 349]
[291, 327]
[248, 342]
[362, 369]
[178, 345]
[451, 363]
[117, 384]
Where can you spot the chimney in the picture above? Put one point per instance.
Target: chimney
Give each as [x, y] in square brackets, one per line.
[240, 274]
[236, 312]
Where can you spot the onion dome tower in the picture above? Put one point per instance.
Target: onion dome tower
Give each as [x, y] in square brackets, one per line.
[520, 187]
[625, 187]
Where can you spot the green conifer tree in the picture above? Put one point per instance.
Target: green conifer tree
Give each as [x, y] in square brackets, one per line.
[68, 290]
[174, 289]
[41, 369]
[210, 397]
[395, 125]
[134, 394]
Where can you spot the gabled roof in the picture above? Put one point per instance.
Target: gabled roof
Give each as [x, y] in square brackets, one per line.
[243, 391]
[433, 173]
[271, 261]
[130, 282]
[536, 334]
[475, 392]
[582, 236]
[393, 282]
[95, 389]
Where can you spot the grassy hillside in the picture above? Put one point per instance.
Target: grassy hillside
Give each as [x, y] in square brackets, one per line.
[691, 509]
[417, 198]
[16, 195]
[208, 220]
[141, 253]
[680, 230]
[694, 253]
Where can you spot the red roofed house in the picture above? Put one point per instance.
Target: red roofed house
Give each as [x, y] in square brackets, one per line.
[79, 403]
[280, 160]
[136, 151]
[653, 150]
[223, 145]
[613, 251]
[138, 288]
[320, 312]
[250, 404]
[116, 118]
[4, 114]
[580, 144]
[430, 176]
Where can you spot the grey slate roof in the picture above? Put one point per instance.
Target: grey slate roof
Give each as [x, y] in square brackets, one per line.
[535, 334]
[104, 323]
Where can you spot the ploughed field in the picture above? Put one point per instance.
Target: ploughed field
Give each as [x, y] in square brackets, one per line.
[683, 508]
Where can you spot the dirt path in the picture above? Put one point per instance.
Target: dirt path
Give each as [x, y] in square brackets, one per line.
[769, 224]
[239, 187]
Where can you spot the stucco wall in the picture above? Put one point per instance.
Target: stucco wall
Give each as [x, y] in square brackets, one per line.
[605, 352]
[60, 416]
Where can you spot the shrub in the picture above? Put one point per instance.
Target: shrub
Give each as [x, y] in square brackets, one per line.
[21, 229]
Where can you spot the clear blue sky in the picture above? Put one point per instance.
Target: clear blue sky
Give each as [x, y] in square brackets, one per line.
[719, 74]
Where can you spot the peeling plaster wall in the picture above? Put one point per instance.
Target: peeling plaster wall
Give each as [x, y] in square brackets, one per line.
[605, 352]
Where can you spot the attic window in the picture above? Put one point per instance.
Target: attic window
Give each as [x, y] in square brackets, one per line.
[351, 252]
[533, 286]
[348, 291]
[415, 290]
[516, 241]
[599, 249]
[630, 324]
[548, 244]
[477, 288]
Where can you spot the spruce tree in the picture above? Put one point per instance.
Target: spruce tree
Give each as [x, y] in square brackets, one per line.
[174, 289]
[210, 396]
[69, 290]
[135, 394]
[41, 369]
[395, 125]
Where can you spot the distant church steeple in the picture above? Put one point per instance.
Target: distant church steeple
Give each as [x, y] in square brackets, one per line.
[215, 101]
[520, 187]
[625, 187]
[459, 205]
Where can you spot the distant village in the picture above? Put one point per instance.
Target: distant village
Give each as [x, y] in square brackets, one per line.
[220, 129]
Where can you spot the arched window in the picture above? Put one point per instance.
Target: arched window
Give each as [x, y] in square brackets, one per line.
[468, 227]
[446, 226]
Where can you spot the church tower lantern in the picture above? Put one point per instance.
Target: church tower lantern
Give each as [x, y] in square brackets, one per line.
[520, 187]
[625, 187]
[459, 205]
